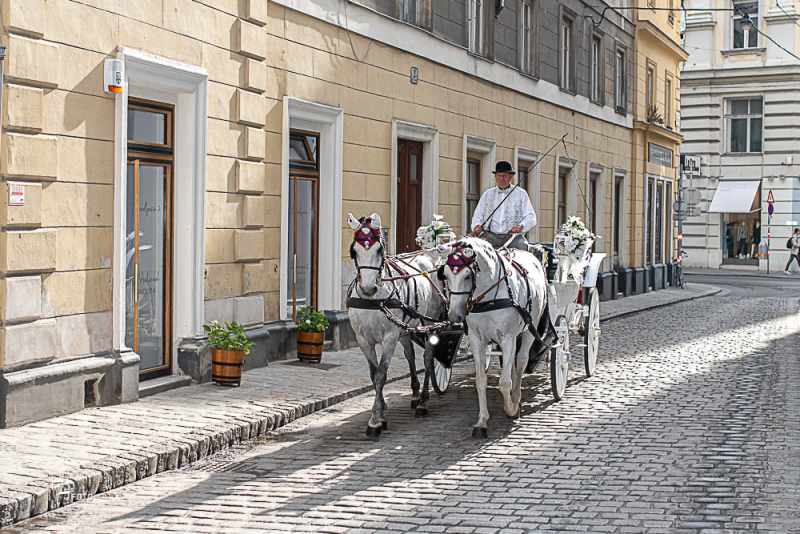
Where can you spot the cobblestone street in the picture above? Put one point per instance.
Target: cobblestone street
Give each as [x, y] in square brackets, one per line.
[692, 424]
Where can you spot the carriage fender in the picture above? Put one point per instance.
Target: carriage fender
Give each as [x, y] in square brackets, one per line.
[592, 270]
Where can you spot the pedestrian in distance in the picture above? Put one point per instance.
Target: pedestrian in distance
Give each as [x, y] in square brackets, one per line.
[793, 244]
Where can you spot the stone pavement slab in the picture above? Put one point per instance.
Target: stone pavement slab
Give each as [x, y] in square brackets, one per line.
[51, 463]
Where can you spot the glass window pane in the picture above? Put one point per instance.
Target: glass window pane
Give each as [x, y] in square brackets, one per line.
[738, 135]
[755, 106]
[312, 145]
[147, 126]
[755, 135]
[412, 169]
[739, 107]
[302, 237]
[473, 175]
[738, 34]
[752, 40]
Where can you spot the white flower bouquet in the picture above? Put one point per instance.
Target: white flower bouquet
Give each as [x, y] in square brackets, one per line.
[576, 229]
[437, 232]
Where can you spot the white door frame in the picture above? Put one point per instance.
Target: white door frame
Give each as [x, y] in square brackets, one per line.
[329, 122]
[429, 136]
[186, 87]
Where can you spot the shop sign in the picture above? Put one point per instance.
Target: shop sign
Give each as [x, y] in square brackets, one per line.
[660, 155]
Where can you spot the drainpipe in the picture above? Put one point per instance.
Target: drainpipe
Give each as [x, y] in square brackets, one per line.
[2, 63]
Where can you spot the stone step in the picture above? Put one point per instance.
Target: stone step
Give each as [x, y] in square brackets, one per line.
[162, 384]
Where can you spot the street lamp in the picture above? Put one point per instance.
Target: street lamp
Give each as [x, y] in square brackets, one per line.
[746, 21]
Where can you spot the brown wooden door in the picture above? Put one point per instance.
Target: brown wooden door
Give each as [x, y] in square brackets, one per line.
[409, 194]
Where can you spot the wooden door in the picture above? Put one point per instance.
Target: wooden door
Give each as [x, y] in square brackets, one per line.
[409, 194]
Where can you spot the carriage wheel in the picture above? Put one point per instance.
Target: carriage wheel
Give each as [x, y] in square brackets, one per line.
[591, 332]
[559, 358]
[440, 377]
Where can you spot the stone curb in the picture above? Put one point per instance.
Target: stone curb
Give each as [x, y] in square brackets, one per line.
[49, 494]
[740, 274]
[708, 293]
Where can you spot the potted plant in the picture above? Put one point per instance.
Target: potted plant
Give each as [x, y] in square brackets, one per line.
[229, 345]
[311, 325]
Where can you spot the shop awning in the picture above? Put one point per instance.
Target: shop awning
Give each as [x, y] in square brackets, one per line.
[734, 196]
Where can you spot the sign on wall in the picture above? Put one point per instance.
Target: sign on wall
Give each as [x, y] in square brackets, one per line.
[660, 155]
[16, 194]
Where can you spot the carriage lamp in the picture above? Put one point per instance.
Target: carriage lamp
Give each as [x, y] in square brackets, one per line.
[434, 340]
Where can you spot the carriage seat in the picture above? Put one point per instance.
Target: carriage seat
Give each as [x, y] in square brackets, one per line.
[545, 252]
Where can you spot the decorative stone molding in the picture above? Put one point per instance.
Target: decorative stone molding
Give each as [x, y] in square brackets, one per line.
[255, 144]
[250, 40]
[250, 177]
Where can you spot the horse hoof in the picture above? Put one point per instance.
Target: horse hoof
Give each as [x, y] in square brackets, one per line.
[373, 432]
[414, 403]
[480, 432]
[384, 425]
[421, 412]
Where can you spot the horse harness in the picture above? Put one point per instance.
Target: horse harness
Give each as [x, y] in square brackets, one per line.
[394, 301]
[478, 304]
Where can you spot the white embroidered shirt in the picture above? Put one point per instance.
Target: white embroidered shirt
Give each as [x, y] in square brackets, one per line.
[517, 210]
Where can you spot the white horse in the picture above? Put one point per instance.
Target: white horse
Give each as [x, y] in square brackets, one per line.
[484, 287]
[397, 285]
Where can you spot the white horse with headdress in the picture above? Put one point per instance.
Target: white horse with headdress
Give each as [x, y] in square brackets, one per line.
[386, 293]
[500, 296]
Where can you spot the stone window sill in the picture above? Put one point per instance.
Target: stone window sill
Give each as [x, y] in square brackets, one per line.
[743, 51]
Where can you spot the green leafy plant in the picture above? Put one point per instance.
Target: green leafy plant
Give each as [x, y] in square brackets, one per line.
[227, 336]
[311, 320]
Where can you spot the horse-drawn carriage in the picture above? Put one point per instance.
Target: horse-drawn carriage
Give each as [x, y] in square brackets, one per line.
[574, 307]
[538, 299]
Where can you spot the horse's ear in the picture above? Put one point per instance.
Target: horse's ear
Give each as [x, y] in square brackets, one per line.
[352, 222]
[375, 220]
[440, 273]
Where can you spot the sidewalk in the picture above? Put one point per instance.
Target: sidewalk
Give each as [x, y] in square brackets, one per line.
[740, 272]
[49, 464]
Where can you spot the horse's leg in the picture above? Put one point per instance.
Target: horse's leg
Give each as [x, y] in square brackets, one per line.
[377, 422]
[519, 368]
[508, 347]
[371, 355]
[479, 430]
[422, 406]
[408, 350]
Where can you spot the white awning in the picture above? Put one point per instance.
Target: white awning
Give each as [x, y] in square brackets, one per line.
[734, 196]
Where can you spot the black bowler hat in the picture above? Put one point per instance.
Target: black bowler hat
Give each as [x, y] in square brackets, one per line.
[504, 166]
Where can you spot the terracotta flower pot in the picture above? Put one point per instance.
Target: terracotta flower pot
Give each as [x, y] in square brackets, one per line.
[309, 346]
[226, 367]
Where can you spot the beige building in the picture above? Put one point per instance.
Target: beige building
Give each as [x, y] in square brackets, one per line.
[216, 185]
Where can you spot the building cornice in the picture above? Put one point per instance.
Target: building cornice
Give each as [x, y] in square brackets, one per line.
[760, 74]
[648, 27]
[658, 131]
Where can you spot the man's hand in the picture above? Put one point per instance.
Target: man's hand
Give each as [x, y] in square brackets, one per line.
[516, 229]
[478, 230]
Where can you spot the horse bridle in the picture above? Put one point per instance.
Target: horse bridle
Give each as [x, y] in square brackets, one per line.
[368, 236]
[458, 260]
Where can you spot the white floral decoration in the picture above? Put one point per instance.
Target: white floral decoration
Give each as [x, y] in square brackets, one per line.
[437, 232]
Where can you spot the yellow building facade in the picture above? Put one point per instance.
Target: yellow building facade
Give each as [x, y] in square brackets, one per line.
[216, 185]
[656, 140]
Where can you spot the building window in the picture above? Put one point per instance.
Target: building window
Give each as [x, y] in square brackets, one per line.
[563, 194]
[476, 26]
[671, 15]
[619, 190]
[745, 37]
[744, 122]
[408, 11]
[522, 175]
[473, 192]
[659, 222]
[594, 193]
[668, 238]
[650, 87]
[620, 84]
[567, 55]
[648, 226]
[669, 99]
[526, 36]
[596, 69]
